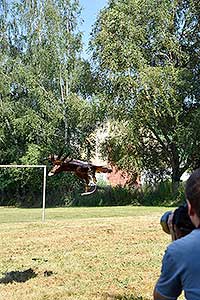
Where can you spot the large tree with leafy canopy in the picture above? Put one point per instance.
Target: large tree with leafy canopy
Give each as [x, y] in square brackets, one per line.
[147, 53]
[42, 97]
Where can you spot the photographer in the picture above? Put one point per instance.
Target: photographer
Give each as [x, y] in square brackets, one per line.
[181, 261]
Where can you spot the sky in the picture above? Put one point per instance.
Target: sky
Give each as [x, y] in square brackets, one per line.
[90, 10]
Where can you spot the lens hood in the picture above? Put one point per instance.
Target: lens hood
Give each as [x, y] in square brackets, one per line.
[164, 221]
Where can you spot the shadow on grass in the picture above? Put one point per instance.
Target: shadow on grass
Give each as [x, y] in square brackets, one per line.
[18, 276]
[109, 296]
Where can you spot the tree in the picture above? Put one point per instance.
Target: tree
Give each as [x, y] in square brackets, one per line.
[44, 106]
[148, 54]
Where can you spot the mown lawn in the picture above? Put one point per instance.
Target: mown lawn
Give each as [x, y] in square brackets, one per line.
[108, 253]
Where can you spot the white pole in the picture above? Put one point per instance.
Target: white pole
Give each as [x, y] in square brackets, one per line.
[22, 166]
[44, 182]
[44, 194]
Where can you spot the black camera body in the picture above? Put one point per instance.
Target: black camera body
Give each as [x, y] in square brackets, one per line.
[180, 221]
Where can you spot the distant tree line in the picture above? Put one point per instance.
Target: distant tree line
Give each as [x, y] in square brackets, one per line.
[143, 77]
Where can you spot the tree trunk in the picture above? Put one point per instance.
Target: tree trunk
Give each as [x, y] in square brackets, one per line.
[176, 179]
[175, 187]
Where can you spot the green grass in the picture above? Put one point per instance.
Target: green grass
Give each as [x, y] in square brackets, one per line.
[110, 253]
[13, 215]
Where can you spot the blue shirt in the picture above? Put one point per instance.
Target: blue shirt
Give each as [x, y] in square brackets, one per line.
[181, 268]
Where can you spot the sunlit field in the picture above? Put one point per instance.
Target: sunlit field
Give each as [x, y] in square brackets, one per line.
[81, 253]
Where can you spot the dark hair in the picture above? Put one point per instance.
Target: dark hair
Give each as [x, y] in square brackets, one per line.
[192, 191]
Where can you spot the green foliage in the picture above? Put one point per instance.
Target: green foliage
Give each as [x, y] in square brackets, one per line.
[147, 54]
[43, 101]
[160, 194]
[106, 196]
[146, 58]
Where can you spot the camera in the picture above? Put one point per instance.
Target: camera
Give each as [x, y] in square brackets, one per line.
[181, 224]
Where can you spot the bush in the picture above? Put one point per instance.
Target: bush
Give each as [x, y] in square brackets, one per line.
[160, 195]
[24, 188]
[148, 195]
[105, 196]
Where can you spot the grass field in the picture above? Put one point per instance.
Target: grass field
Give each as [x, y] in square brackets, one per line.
[110, 253]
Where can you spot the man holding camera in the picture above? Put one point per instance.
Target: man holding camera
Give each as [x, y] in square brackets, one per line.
[181, 262]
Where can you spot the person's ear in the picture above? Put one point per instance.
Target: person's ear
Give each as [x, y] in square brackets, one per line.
[190, 209]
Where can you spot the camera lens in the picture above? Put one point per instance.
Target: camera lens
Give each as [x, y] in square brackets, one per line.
[164, 221]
